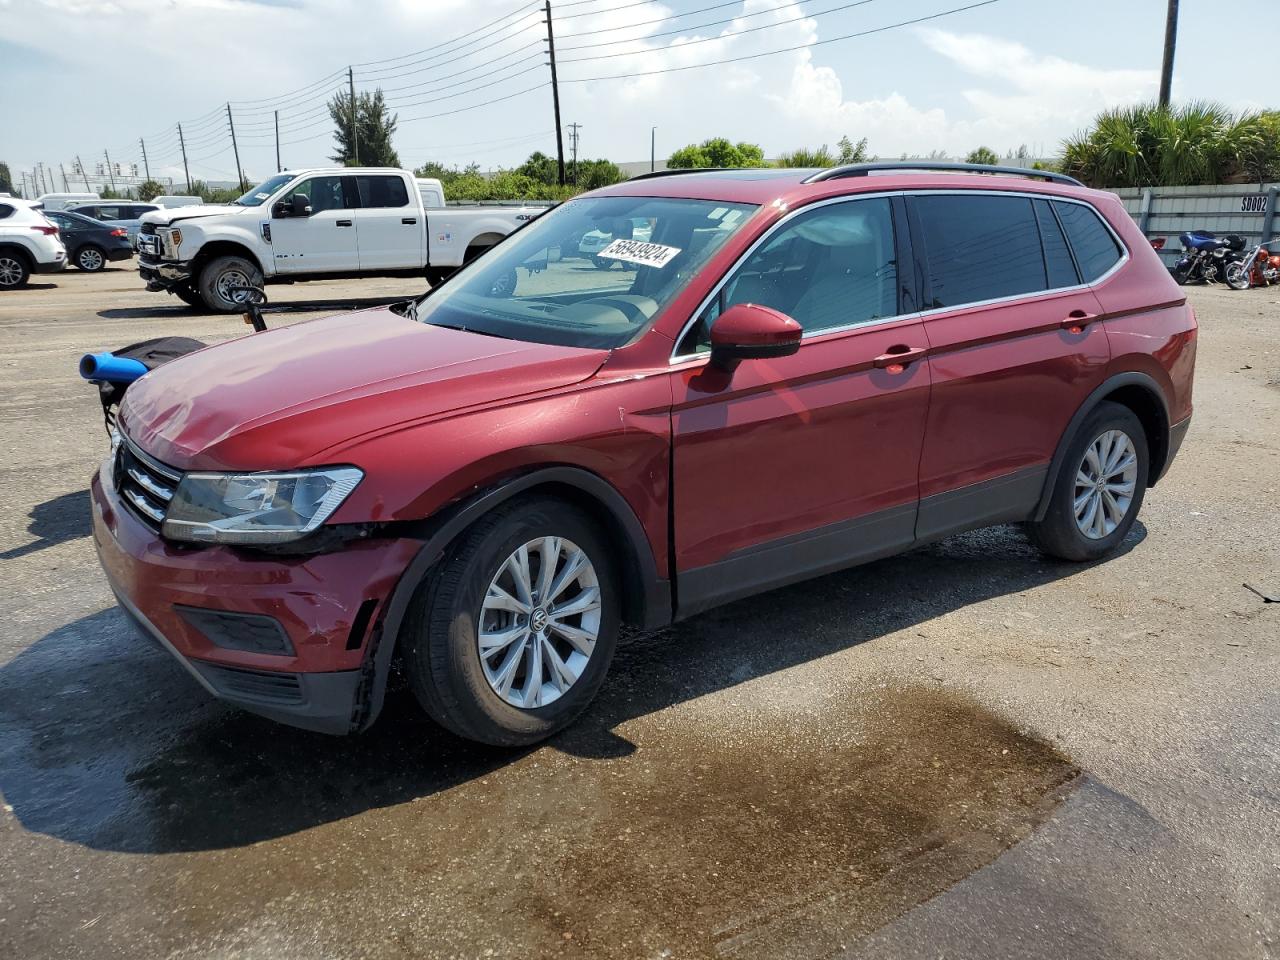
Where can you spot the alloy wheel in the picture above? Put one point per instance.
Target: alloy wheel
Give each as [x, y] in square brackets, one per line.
[10, 272]
[90, 259]
[1105, 483]
[539, 622]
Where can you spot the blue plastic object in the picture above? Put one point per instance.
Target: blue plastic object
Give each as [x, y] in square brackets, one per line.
[107, 366]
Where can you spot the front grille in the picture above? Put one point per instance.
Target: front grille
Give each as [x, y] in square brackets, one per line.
[147, 228]
[145, 484]
[238, 683]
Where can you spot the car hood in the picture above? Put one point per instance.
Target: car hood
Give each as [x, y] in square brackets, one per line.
[165, 217]
[279, 399]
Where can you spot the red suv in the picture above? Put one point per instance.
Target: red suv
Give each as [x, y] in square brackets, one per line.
[776, 374]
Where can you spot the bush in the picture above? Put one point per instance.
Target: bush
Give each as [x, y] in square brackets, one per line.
[1196, 143]
[717, 152]
[985, 156]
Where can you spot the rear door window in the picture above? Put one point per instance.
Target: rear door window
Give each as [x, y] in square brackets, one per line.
[1095, 248]
[1057, 255]
[377, 191]
[980, 247]
[5, 210]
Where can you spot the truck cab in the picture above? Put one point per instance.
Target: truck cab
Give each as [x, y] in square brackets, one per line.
[319, 224]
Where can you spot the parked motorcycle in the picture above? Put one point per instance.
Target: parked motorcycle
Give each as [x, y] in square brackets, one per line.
[1258, 269]
[1205, 257]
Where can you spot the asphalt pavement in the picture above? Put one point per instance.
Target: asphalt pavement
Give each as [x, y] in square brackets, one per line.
[967, 751]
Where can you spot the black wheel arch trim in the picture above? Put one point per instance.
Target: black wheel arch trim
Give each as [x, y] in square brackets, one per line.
[653, 609]
[1132, 378]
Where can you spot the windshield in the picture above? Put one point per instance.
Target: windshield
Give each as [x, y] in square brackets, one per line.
[263, 191]
[593, 272]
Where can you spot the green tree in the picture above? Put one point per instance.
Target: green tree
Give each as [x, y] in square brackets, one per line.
[6, 178]
[375, 125]
[149, 190]
[985, 156]
[717, 152]
[851, 152]
[593, 174]
[541, 168]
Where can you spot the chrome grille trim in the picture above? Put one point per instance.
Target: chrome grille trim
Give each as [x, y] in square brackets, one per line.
[153, 489]
[146, 485]
[140, 504]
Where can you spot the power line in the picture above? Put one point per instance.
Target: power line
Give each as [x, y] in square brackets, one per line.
[716, 23]
[645, 23]
[529, 6]
[799, 46]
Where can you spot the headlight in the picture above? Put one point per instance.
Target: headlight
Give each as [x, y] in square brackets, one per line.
[251, 508]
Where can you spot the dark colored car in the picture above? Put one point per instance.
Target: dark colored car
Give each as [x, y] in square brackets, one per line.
[792, 373]
[90, 243]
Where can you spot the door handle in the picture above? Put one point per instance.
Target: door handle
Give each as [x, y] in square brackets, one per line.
[1077, 320]
[343, 223]
[898, 358]
[409, 221]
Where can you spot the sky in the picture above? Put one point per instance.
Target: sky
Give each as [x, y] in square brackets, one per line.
[469, 82]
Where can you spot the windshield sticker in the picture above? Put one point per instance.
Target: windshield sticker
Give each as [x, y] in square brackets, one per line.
[636, 251]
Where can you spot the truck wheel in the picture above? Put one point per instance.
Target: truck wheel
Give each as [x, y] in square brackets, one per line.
[512, 636]
[222, 273]
[601, 263]
[14, 270]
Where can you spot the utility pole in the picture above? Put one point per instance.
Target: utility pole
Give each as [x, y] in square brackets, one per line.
[84, 173]
[146, 167]
[65, 186]
[110, 173]
[355, 124]
[555, 93]
[653, 149]
[573, 135]
[1170, 42]
[278, 167]
[235, 149]
[183, 143]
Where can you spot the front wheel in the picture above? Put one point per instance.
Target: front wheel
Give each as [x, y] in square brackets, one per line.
[1099, 487]
[1236, 276]
[512, 636]
[219, 277]
[187, 295]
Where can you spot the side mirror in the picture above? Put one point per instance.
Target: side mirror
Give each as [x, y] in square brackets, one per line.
[280, 209]
[301, 205]
[747, 331]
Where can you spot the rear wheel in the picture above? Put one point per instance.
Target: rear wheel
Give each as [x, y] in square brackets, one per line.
[220, 275]
[90, 259]
[187, 295]
[1099, 488]
[14, 270]
[512, 636]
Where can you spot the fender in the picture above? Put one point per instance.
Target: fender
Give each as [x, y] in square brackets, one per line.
[652, 610]
[1160, 451]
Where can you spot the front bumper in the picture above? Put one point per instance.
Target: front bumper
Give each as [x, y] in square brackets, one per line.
[162, 274]
[328, 605]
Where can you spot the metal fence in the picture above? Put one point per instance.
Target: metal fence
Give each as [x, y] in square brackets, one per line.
[1246, 209]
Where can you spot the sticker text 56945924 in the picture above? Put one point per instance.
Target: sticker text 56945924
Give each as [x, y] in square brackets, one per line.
[636, 251]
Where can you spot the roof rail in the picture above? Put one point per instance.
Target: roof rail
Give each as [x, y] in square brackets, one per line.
[907, 166]
[676, 171]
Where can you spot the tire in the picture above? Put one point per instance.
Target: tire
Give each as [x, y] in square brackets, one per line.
[1236, 276]
[222, 272]
[601, 263]
[15, 271]
[463, 691]
[91, 258]
[1061, 533]
[187, 295]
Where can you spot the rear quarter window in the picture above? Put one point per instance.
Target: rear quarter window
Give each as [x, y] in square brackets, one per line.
[980, 247]
[5, 211]
[1092, 243]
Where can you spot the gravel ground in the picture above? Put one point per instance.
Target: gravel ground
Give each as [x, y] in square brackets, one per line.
[969, 751]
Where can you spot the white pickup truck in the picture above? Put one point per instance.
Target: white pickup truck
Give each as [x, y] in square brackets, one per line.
[320, 224]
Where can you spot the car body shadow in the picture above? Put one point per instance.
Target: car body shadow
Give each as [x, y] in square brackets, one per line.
[105, 742]
[55, 521]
